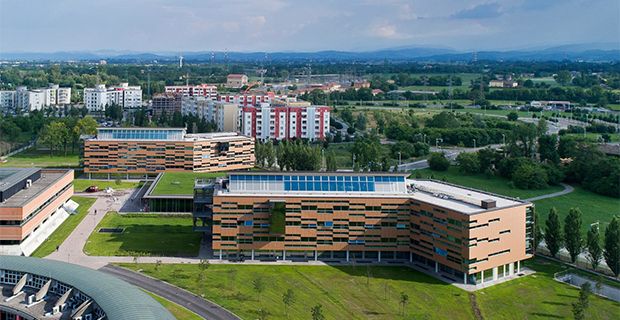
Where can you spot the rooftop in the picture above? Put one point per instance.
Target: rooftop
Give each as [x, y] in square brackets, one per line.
[169, 134]
[10, 176]
[24, 196]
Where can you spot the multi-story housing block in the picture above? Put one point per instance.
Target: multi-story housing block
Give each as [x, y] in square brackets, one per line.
[167, 103]
[25, 100]
[124, 95]
[202, 90]
[145, 151]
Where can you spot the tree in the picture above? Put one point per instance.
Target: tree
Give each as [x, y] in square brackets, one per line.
[548, 149]
[611, 250]
[541, 127]
[404, 298]
[330, 161]
[593, 244]
[468, 162]
[573, 241]
[582, 304]
[317, 312]
[438, 161]
[203, 265]
[553, 232]
[288, 298]
[262, 314]
[54, 135]
[530, 176]
[259, 286]
[512, 116]
[563, 77]
[538, 233]
[361, 122]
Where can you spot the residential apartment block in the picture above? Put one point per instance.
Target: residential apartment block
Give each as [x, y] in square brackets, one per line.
[236, 80]
[224, 115]
[26, 100]
[466, 235]
[167, 103]
[147, 151]
[33, 203]
[202, 90]
[124, 95]
[251, 99]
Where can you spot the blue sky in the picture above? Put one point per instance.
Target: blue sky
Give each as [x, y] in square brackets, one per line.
[302, 25]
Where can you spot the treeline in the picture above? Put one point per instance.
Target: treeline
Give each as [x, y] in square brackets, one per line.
[58, 135]
[296, 155]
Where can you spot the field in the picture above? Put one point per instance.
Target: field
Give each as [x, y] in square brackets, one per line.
[595, 137]
[594, 207]
[82, 184]
[59, 236]
[180, 183]
[614, 106]
[144, 235]
[41, 158]
[493, 184]
[177, 311]
[347, 292]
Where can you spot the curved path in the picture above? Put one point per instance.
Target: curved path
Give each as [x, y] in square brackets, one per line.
[196, 304]
[567, 189]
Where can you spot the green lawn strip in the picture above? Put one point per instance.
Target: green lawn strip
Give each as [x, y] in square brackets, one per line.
[495, 184]
[177, 311]
[65, 229]
[594, 207]
[181, 183]
[82, 184]
[144, 235]
[342, 291]
[539, 296]
[40, 158]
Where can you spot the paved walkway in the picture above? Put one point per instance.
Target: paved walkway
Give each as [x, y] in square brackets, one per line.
[567, 189]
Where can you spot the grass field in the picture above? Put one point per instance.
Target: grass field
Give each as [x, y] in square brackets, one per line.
[595, 137]
[144, 235]
[346, 292]
[594, 207]
[177, 311]
[41, 158]
[59, 236]
[181, 183]
[614, 106]
[82, 184]
[493, 184]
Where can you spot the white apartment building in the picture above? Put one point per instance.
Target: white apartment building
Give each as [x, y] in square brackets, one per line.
[202, 90]
[99, 97]
[7, 101]
[248, 99]
[25, 100]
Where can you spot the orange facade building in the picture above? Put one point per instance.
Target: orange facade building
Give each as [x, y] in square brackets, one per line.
[32, 206]
[148, 151]
[466, 235]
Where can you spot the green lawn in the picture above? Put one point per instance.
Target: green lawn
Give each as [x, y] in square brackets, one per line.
[594, 207]
[144, 235]
[40, 158]
[595, 137]
[177, 311]
[82, 184]
[344, 293]
[614, 106]
[181, 183]
[493, 184]
[65, 229]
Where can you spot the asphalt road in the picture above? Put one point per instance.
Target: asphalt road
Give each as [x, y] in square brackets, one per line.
[198, 305]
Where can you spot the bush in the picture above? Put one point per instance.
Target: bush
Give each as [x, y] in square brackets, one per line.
[468, 162]
[555, 174]
[530, 176]
[438, 162]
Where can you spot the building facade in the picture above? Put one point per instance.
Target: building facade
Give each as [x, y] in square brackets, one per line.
[25, 100]
[124, 95]
[285, 120]
[465, 234]
[251, 99]
[201, 90]
[33, 203]
[236, 80]
[148, 151]
[167, 103]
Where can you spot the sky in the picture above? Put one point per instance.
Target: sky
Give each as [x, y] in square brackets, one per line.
[302, 25]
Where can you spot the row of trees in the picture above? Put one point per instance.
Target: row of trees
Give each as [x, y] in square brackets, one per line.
[570, 237]
[294, 155]
[59, 134]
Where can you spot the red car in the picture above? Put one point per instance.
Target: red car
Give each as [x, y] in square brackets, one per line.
[92, 189]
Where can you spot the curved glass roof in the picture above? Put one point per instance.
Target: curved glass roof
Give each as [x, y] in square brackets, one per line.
[117, 298]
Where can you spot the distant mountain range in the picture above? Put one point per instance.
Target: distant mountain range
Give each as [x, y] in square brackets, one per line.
[575, 52]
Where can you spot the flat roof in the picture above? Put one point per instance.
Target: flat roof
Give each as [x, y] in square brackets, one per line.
[117, 298]
[24, 196]
[11, 176]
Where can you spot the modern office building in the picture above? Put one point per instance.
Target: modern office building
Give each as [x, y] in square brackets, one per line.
[201, 90]
[283, 120]
[467, 235]
[124, 95]
[148, 151]
[236, 80]
[33, 203]
[32, 288]
[167, 103]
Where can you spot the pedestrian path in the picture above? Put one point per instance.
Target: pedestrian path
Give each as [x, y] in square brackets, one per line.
[567, 189]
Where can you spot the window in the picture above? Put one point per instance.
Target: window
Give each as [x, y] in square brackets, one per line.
[248, 223]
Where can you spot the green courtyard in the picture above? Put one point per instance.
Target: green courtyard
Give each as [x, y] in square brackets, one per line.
[360, 292]
[42, 158]
[181, 183]
[144, 235]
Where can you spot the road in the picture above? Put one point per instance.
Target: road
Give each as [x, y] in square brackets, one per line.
[450, 153]
[196, 304]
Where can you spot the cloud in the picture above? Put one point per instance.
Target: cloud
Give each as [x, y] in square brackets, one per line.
[481, 11]
[387, 31]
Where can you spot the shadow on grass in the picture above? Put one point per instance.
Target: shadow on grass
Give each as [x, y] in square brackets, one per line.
[546, 315]
[554, 303]
[396, 273]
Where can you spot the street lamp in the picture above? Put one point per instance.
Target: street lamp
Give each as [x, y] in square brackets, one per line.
[399, 157]
[353, 163]
[474, 143]
[437, 140]
[504, 140]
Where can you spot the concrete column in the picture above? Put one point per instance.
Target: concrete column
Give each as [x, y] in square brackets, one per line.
[89, 176]
[220, 254]
[436, 267]
[410, 257]
[347, 255]
[316, 255]
[379, 256]
[511, 269]
[283, 254]
[482, 277]
[518, 266]
[331, 254]
[108, 176]
[252, 254]
[494, 273]
[504, 267]
[464, 278]
[363, 254]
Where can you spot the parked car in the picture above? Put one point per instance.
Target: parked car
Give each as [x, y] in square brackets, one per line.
[92, 189]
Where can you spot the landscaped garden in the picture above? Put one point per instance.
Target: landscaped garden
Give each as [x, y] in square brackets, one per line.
[181, 183]
[360, 292]
[65, 229]
[144, 235]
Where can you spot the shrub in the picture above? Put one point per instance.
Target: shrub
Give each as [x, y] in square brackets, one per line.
[530, 176]
[438, 162]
